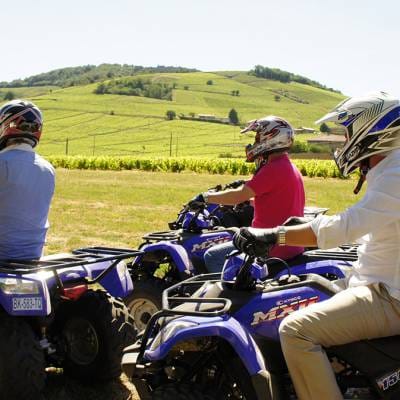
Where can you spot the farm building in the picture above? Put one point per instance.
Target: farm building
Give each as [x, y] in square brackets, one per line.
[333, 141]
[303, 129]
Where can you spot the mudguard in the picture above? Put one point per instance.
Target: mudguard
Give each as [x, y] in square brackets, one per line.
[118, 282]
[177, 252]
[227, 328]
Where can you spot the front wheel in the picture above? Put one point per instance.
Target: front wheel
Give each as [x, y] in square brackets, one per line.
[180, 391]
[145, 300]
[95, 329]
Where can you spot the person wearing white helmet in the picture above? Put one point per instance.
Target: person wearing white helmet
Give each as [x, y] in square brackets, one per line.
[26, 182]
[276, 187]
[369, 305]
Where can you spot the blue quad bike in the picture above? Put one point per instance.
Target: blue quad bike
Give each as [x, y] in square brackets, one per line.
[218, 338]
[177, 254]
[63, 312]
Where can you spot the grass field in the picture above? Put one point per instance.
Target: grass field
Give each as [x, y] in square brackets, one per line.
[115, 208]
[77, 121]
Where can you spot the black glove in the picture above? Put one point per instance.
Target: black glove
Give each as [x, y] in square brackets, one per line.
[197, 202]
[255, 242]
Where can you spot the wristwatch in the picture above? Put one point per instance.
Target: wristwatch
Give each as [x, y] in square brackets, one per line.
[281, 236]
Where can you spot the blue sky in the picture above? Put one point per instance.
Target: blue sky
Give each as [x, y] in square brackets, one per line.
[348, 45]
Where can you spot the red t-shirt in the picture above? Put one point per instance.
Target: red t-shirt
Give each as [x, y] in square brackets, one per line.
[279, 194]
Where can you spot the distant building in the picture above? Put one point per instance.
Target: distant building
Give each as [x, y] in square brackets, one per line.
[333, 141]
[303, 129]
[207, 117]
[210, 117]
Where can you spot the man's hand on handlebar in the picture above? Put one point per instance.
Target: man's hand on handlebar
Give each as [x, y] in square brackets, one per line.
[255, 242]
[197, 202]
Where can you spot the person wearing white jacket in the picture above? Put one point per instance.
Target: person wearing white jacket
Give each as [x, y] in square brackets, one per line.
[369, 307]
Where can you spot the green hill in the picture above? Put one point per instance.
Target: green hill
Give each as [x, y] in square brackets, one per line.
[78, 121]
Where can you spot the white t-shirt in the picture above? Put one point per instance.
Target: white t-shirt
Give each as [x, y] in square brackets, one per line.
[375, 223]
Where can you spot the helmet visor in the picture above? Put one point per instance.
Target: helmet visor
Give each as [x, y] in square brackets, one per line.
[252, 126]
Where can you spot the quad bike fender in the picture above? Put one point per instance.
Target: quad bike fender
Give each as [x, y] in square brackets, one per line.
[177, 253]
[227, 329]
[117, 282]
[334, 267]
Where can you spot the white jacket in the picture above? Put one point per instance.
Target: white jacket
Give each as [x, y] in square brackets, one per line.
[375, 223]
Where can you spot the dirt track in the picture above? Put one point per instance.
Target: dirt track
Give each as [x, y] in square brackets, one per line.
[62, 388]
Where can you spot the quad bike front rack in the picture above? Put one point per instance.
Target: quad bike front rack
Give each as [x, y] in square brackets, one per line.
[167, 310]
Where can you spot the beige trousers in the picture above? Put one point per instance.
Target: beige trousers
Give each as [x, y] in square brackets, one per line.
[363, 312]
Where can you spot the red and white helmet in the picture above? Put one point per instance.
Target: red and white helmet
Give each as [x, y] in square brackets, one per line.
[20, 119]
[272, 134]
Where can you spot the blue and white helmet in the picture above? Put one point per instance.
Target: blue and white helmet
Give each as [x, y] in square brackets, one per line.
[372, 127]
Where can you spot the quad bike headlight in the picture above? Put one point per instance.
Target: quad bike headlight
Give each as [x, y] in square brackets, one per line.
[169, 331]
[18, 286]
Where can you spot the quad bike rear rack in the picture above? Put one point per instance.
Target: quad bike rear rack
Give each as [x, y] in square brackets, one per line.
[159, 236]
[347, 252]
[79, 257]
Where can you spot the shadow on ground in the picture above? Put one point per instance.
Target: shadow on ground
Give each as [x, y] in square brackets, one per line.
[63, 388]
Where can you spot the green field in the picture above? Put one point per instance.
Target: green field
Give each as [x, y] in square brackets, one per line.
[77, 121]
[115, 208]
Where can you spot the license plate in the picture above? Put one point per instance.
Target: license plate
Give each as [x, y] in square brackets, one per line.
[27, 303]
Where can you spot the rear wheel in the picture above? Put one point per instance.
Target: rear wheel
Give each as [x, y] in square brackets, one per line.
[22, 364]
[145, 300]
[95, 329]
[180, 391]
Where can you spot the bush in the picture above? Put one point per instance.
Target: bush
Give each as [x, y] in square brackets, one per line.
[311, 168]
[324, 128]
[233, 116]
[9, 95]
[171, 114]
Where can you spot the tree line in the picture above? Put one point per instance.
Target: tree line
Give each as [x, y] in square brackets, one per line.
[83, 75]
[277, 74]
[136, 87]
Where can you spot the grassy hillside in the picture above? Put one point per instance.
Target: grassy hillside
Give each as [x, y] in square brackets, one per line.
[78, 121]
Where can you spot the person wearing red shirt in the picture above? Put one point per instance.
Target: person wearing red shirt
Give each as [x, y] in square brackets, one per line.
[276, 187]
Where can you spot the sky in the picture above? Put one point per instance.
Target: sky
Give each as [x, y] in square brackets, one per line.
[349, 45]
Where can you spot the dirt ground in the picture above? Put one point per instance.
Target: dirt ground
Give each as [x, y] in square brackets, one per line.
[63, 388]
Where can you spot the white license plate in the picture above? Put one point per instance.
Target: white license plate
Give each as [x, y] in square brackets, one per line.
[27, 303]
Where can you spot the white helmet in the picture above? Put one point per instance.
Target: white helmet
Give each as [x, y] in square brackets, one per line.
[272, 134]
[372, 127]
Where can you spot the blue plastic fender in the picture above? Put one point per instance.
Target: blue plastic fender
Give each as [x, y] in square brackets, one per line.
[176, 251]
[228, 329]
